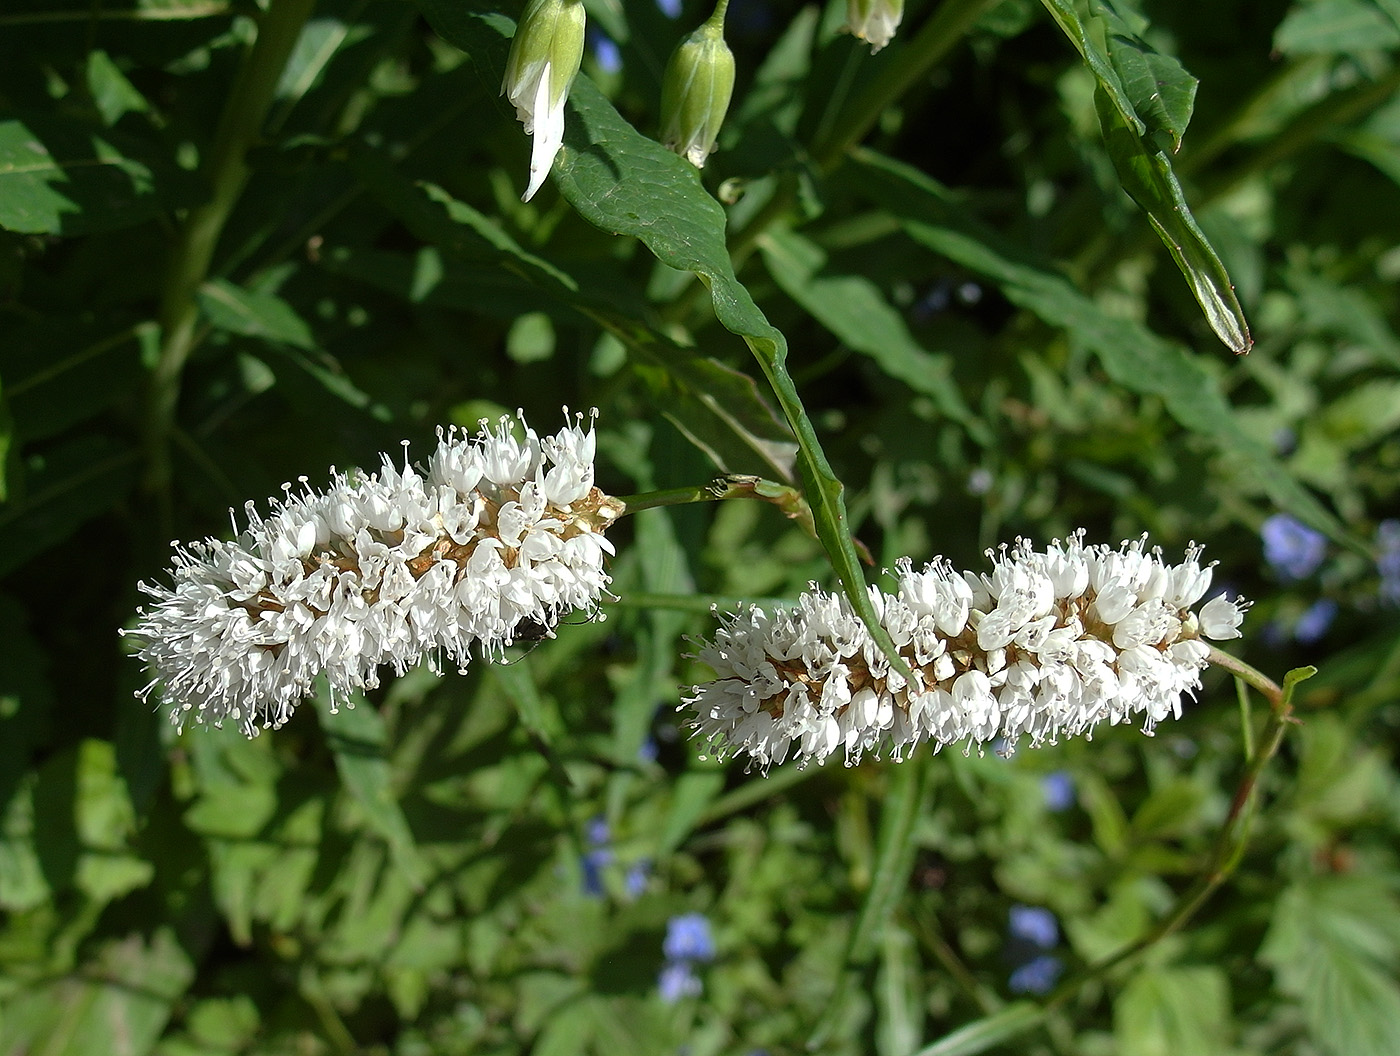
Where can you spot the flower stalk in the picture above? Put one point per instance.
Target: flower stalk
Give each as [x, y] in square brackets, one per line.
[227, 173]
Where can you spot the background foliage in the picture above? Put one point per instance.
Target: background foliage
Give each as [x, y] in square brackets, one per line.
[951, 248]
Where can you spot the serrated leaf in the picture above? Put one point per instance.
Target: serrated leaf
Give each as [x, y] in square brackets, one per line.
[1143, 167]
[1334, 944]
[1163, 1012]
[118, 1004]
[60, 177]
[1133, 355]
[358, 739]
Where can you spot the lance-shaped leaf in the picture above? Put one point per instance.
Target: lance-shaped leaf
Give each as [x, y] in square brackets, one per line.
[1144, 100]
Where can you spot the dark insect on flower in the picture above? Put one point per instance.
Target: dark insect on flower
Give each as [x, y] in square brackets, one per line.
[532, 631]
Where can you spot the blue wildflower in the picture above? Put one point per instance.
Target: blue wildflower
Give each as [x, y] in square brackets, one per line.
[598, 855]
[1291, 548]
[688, 938]
[677, 980]
[605, 52]
[1033, 924]
[1037, 976]
[634, 882]
[669, 8]
[1058, 790]
[1388, 560]
[1316, 618]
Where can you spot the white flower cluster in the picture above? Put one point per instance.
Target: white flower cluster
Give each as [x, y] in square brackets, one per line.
[497, 534]
[1048, 645]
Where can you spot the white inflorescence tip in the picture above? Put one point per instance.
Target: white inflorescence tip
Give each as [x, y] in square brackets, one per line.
[1048, 644]
[381, 569]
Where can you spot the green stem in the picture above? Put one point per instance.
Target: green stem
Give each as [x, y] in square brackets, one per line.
[1222, 859]
[1250, 675]
[1229, 843]
[227, 173]
[894, 860]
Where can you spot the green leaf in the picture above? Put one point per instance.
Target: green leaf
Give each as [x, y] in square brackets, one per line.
[855, 311]
[118, 1004]
[691, 794]
[1163, 1012]
[1142, 95]
[1133, 355]
[1331, 27]
[988, 1032]
[111, 92]
[621, 181]
[1334, 945]
[253, 314]
[358, 739]
[62, 177]
[536, 714]
[717, 407]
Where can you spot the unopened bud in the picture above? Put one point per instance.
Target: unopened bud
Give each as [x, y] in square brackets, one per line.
[544, 59]
[695, 92]
[874, 21]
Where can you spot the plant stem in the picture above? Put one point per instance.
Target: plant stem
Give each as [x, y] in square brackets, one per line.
[1253, 677]
[1229, 843]
[894, 859]
[227, 174]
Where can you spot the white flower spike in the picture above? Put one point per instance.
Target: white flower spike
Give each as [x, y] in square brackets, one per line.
[1049, 644]
[544, 59]
[496, 537]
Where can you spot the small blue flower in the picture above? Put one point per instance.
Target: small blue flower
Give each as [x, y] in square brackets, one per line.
[669, 8]
[1058, 790]
[1033, 924]
[1036, 976]
[1316, 618]
[1388, 560]
[1291, 548]
[605, 52]
[677, 980]
[634, 882]
[647, 752]
[688, 938]
[598, 832]
[598, 856]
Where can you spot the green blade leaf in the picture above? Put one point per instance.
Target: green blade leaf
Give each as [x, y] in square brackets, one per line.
[1133, 355]
[1143, 96]
[988, 1032]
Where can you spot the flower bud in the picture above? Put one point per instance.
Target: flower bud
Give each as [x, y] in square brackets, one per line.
[874, 21]
[695, 92]
[544, 59]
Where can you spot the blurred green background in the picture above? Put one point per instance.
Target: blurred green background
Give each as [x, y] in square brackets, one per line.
[956, 240]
